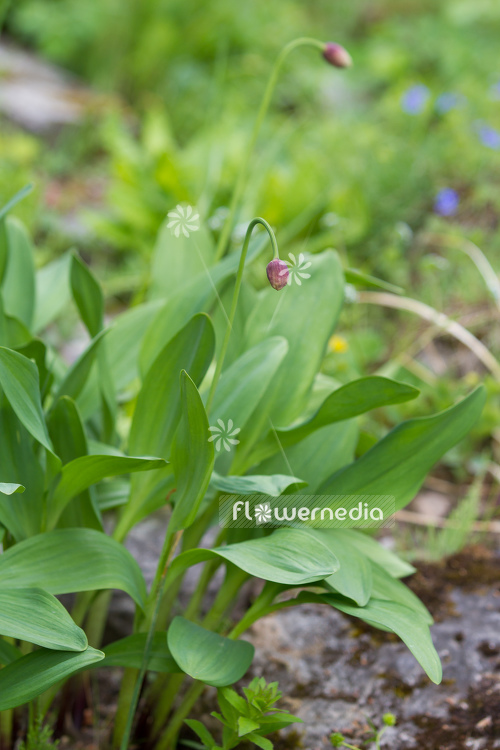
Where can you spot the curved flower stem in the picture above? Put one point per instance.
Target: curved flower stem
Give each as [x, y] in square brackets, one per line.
[264, 106]
[234, 303]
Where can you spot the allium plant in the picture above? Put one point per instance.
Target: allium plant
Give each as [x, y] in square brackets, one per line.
[125, 430]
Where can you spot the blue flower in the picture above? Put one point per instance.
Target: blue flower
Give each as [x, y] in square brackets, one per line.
[488, 136]
[447, 101]
[414, 99]
[446, 202]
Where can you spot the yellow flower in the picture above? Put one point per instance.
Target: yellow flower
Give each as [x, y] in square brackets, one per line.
[338, 344]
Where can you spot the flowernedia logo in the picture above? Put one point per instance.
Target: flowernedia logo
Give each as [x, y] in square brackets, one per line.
[316, 511]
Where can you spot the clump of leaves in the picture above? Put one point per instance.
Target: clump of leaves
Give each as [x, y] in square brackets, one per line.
[248, 719]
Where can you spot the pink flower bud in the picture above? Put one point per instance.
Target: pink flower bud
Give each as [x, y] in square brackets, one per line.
[277, 273]
[337, 55]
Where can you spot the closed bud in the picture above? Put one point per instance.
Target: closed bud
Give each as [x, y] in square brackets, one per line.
[336, 55]
[277, 273]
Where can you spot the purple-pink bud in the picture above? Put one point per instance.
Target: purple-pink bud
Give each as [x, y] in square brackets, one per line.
[337, 55]
[277, 273]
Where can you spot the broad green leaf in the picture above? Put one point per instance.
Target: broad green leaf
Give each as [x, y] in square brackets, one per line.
[273, 485]
[261, 742]
[208, 656]
[6, 488]
[398, 464]
[366, 545]
[387, 588]
[406, 623]
[24, 679]
[76, 377]
[8, 652]
[192, 457]
[87, 294]
[176, 260]
[290, 556]
[33, 615]
[158, 407]
[66, 561]
[85, 471]
[316, 456]
[20, 514]
[129, 652]
[346, 402]
[18, 287]
[354, 577]
[52, 291]
[69, 440]
[306, 316]
[195, 297]
[244, 383]
[19, 381]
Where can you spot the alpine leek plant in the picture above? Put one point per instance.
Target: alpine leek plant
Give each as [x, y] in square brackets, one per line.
[171, 405]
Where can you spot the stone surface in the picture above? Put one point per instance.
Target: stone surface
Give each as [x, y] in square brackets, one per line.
[37, 95]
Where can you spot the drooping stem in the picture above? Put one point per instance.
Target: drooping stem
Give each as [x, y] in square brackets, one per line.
[234, 303]
[264, 106]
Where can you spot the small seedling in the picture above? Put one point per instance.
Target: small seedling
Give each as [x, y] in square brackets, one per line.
[248, 719]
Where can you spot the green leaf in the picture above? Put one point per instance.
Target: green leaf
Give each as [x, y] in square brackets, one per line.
[66, 561]
[261, 742]
[158, 408]
[244, 383]
[273, 485]
[200, 729]
[195, 297]
[33, 615]
[208, 656]
[24, 679]
[87, 294]
[52, 291]
[354, 577]
[358, 278]
[387, 588]
[192, 457]
[69, 440]
[346, 402]
[246, 725]
[176, 260]
[305, 316]
[18, 286]
[8, 652]
[85, 471]
[26, 190]
[129, 652]
[77, 375]
[6, 488]
[391, 563]
[406, 623]
[398, 464]
[290, 556]
[19, 381]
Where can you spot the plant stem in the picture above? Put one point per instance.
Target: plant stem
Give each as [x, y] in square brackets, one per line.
[264, 106]
[152, 608]
[234, 303]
